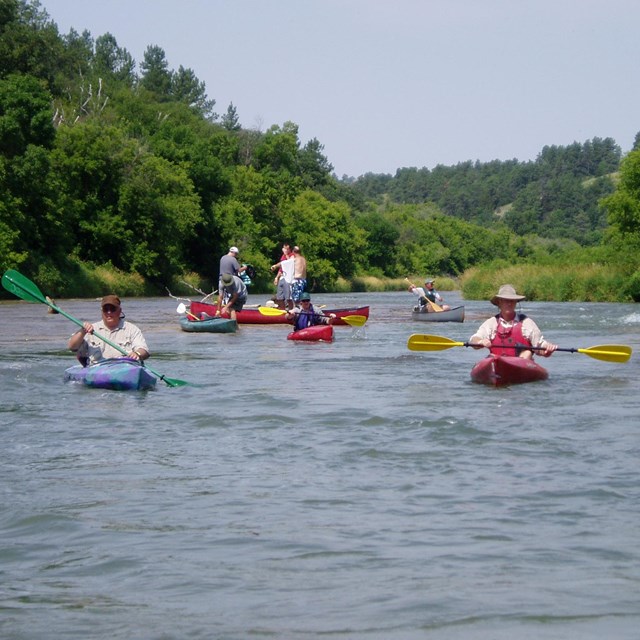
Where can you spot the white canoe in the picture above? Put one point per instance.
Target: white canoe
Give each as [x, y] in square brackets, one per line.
[455, 314]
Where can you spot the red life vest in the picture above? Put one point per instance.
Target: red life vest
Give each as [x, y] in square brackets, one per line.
[509, 341]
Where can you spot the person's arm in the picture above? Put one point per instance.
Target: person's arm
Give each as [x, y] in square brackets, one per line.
[140, 350]
[531, 330]
[231, 301]
[482, 337]
[78, 337]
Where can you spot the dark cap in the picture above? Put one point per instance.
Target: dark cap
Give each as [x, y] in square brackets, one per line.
[305, 295]
[227, 279]
[110, 299]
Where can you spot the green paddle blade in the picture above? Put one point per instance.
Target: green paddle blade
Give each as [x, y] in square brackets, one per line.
[22, 287]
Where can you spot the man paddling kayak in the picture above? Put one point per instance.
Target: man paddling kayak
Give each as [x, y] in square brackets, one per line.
[509, 333]
[90, 349]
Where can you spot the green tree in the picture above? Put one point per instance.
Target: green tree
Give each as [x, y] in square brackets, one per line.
[161, 210]
[230, 120]
[329, 238]
[381, 238]
[29, 41]
[30, 230]
[624, 204]
[156, 76]
[186, 88]
[113, 62]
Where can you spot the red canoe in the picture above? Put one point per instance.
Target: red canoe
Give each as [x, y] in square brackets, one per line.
[253, 316]
[503, 370]
[315, 333]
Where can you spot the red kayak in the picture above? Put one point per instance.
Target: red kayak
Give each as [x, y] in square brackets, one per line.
[315, 333]
[253, 316]
[503, 370]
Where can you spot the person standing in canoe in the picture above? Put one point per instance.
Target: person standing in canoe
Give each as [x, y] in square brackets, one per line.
[306, 316]
[509, 333]
[428, 296]
[90, 350]
[232, 295]
[299, 274]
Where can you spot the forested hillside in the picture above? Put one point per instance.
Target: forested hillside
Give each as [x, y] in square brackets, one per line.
[113, 166]
[556, 196]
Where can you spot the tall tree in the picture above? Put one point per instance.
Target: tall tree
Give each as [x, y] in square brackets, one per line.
[156, 76]
[230, 120]
[185, 87]
[112, 61]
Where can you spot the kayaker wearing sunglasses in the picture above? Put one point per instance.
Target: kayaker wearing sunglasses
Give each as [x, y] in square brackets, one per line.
[89, 349]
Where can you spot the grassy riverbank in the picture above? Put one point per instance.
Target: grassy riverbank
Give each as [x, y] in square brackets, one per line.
[567, 283]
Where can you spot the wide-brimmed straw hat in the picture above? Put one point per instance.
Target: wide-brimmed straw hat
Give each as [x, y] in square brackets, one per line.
[506, 292]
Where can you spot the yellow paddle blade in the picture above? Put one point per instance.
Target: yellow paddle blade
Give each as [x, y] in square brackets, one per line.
[271, 311]
[608, 352]
[425, 342]
[354, 320]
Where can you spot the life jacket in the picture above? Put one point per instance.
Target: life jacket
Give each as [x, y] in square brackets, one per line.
[510, 341]
[306, 319]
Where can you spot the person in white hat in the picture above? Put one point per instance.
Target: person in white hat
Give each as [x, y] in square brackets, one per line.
[510, 333]
[229, 264]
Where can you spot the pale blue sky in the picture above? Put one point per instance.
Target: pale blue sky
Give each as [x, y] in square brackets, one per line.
[399, 83]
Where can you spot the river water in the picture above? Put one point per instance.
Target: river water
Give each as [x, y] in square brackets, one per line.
[346, 490]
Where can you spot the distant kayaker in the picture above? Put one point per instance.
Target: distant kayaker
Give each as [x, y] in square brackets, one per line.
[232, 295]
[89, 349]
[306, 316]
[428, 296]
[510, 333]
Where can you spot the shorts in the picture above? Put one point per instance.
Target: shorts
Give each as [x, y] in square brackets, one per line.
[299, 285]
[238, 304]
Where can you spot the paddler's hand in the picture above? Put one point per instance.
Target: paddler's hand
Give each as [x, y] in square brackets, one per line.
[480, 343]
[87, 327]
[549, 348]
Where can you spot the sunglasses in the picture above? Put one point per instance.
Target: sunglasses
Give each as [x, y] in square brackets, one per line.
[109, 308]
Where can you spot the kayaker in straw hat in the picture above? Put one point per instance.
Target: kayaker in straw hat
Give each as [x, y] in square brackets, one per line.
[510, 333]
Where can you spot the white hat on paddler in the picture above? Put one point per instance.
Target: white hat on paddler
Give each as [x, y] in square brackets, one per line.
[506, 292]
